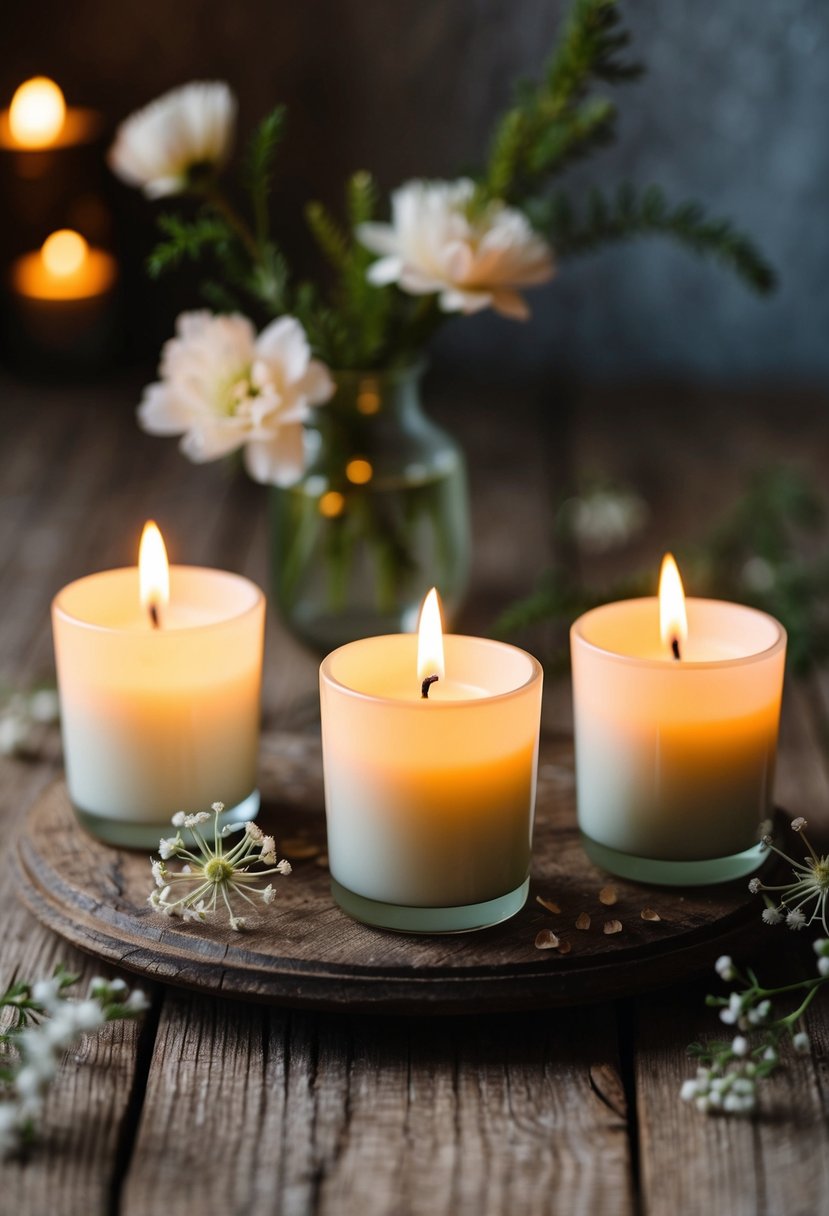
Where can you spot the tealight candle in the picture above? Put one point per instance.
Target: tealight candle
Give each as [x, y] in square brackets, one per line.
[676, 705]
[38, 119]
[64, 293]
[430, 750]
[159, 675]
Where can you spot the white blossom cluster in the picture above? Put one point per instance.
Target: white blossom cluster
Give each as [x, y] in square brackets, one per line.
[211, 873]
[53, 1023]
[22, 716]
[805, 898]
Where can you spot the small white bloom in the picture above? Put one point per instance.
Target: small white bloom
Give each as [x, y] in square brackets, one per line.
[435, 245]
[770, 1055]
[703, 1104]
[771, 916]
[178, 819]
[237, 923]
[187, 129]
[799, 824]
[14, 735]
[739, 1046]
[223, 388]
[821, 946]
[725, 968]
[47, 993]
[733, 1011]
[88, 1015]
[689, 1091]
[755, 885]
[168, 847]
[194, 821]
[28, 1083]
[268, 854]
[795, 919]
[44, 706]
[218, 807]
[137, 1001]
[800, 1042]
[159, 872]
[284, 867]
[254, 832]
[823, 966]
[269, 894]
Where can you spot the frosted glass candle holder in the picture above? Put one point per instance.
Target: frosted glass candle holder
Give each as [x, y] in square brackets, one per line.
[430, 803]
[675, 760]
[157, 721]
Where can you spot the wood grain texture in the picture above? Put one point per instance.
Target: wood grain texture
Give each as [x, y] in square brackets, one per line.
[379, 1116]
[306, 953]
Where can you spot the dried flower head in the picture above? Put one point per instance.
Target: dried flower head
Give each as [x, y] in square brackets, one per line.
[803, 900]
[213, 873]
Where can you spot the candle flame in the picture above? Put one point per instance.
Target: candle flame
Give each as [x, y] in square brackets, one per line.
[153, 570]
[673, 619]
[64, 252]
[37, 113]
[430, 639]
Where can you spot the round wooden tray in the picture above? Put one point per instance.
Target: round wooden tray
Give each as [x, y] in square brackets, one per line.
[303, 951]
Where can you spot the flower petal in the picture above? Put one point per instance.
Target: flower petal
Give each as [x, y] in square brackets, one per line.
[278, 461]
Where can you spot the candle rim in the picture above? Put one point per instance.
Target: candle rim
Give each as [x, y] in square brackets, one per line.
[664, 664]
[82, 125]
[249, 609]
[536, 674]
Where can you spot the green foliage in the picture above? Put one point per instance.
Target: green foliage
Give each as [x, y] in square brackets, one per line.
[556, 121]
[260, 166]
[629, 214]
[188, 240]
[353, 331]
[769, 551]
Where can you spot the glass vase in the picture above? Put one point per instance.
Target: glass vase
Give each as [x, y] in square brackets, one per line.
[380, 516]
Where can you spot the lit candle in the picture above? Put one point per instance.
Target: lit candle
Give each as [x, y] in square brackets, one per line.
[38, 119]
[159, 673]
[430, 749]
[677, 705]
[63, 294]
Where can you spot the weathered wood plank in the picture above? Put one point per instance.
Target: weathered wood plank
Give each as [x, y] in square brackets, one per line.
[317, 1114]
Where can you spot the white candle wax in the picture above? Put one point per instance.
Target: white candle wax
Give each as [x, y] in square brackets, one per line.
[430, 802]
[159, 720]
[675, 759]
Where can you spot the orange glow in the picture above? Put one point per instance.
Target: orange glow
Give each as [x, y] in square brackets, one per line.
[359, 471]
[331, 504]
[673, 619]
[153, 570]
[430, 639]
[37, 113]
[64, 252]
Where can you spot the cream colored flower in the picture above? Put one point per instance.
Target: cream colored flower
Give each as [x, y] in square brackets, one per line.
[188, 129]
[435, 245]
[224, 388]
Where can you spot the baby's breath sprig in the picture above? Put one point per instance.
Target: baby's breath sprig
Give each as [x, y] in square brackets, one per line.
[43, 1021]
[729, 1069]
[212, 873]
[804, 899]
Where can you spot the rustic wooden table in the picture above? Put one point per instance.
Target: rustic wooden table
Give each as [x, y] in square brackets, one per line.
[217, 1107]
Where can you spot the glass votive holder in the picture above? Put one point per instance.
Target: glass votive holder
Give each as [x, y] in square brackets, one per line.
[430, 802]
[675, 759]
[159, 720]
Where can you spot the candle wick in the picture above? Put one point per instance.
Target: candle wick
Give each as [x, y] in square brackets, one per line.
[154, 616]
[675, 648]
[424, 688]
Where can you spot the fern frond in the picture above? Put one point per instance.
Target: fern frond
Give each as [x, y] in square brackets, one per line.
[260, 162]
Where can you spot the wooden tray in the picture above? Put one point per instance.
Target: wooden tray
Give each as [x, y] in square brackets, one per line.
[305, 952]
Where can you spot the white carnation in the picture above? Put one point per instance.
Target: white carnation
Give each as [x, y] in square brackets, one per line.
[436, 245]
[189, 128]
[223, 388]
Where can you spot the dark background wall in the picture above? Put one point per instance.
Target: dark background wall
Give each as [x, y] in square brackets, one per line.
[733, 111]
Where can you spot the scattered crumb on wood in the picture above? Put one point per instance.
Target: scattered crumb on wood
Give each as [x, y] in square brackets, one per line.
[608, 896]
[549, 904]
[545, 939]
[583, 920]
[650, 914]
[612, 926]
[300, 850]
[564, 947]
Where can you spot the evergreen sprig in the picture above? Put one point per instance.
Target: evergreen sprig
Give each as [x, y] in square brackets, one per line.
[631, 213]
[188, 239]
[260, 166]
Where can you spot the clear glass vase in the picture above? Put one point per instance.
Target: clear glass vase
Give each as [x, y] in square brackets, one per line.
[380, 516]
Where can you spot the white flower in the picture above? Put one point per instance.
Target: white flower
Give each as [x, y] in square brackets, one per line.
[137, 1001]
[237, 923]
[770, 1054]
[797, 825]
[269, 894]
[732, 1012]
[754, 886]
[178, 819]
[44, 706]
[823, 966]
[254, 831]
[800, 1042]
[159, 872]
[47, 993]
[724, 967]
[435, 244]
[284, 867]
[14, 735]
[739, 1046]
[771, 916]
[217, 807]
[168, 847]
[821, 946]
[268, 854]
[187, 130]
[689, 1091]
[795, 919]
[224, 388]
